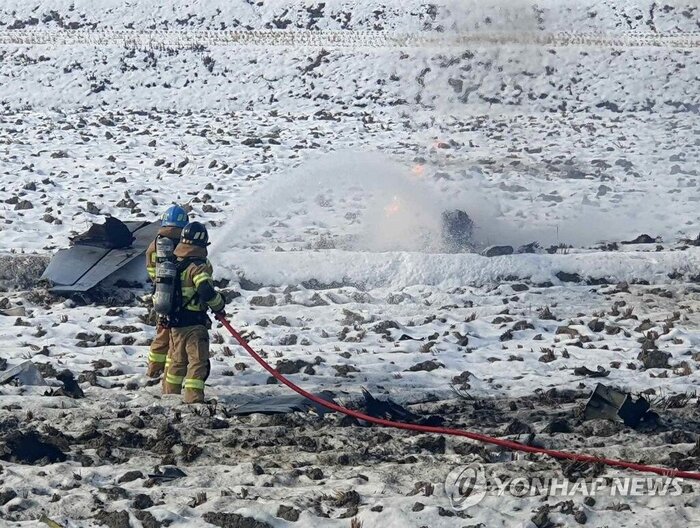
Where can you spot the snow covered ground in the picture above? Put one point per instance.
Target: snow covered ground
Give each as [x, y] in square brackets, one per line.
[321, 142]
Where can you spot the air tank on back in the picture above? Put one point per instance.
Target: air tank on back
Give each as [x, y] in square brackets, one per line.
[166, 271]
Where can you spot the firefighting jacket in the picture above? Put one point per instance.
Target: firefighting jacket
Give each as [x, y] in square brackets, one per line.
[197, 293]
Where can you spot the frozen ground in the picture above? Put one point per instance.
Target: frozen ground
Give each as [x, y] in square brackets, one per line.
[321, 143]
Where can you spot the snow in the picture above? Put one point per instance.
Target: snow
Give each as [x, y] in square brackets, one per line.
[493, 78]
[321, 144]
[401, 270]
[407, 15]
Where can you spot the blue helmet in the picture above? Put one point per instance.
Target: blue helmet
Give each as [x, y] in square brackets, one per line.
[175, 216]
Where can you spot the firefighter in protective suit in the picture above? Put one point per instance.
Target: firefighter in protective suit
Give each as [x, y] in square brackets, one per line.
[171, 224]
[187, 366]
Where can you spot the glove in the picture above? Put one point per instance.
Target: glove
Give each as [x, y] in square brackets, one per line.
[221, 314]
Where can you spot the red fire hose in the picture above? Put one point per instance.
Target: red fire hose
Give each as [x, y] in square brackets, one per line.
[508, 444]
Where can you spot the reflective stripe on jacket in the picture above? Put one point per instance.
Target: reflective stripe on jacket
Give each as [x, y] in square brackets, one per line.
[198, 291]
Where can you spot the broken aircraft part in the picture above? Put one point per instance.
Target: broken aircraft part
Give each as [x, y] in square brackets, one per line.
[49, 522]
[113, 234]
[282, 405]
[70, 388]
[167, 473]
[608, 403]
[457, 230]
[390, 410]
[24, 374]
[17, 311]
[83, 266]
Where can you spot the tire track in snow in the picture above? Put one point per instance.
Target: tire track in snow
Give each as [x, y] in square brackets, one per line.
[337, 39]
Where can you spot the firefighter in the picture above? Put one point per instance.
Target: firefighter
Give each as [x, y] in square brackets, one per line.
[187, 365]
[171, 224]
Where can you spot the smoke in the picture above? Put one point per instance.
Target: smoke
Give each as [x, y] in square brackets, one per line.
[369, 202]
[350, 200]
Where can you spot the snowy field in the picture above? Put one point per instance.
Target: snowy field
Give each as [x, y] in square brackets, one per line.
[321, 142]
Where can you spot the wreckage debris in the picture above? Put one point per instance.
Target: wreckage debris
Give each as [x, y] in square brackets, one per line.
[98, 254]
[167, 473]
[70, 388]
[113, 234]
[282, 405]
[390, 410]
[643, 239]
[691, 241]
[17, 311]
[532, 247]
[49, 522]
[386, 409]
[608, 403]
[600, 372]
[23, 374]
[457, 230]
[497, 251]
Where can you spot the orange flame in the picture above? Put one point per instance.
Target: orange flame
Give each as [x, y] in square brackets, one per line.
[418, 170]
[393, 208]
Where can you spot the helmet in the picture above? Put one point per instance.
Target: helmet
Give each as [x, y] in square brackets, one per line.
[196, 234]
[175, 216]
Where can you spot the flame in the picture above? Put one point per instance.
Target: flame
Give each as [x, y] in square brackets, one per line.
[393, 208]
[418, 170]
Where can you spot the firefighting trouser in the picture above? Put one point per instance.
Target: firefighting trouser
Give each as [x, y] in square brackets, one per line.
[159, 351]
[187, 366]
